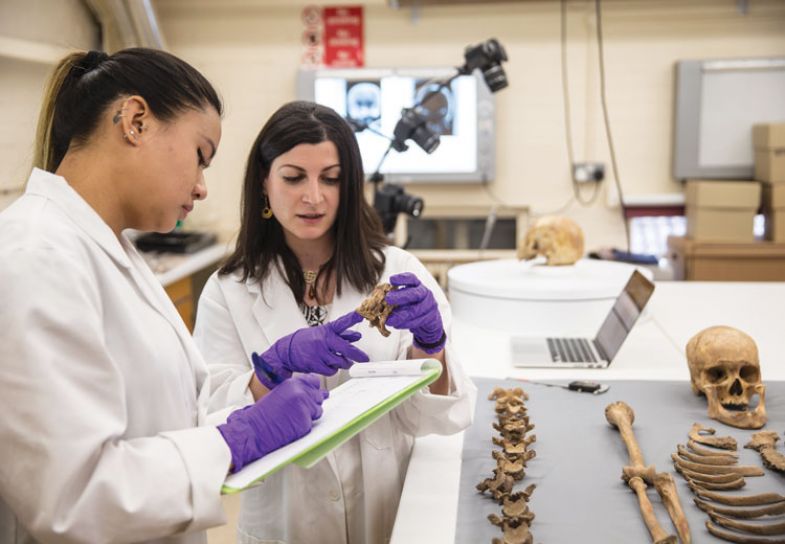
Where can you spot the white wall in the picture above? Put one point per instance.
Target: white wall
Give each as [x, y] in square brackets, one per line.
[251, 51]
[34, 34]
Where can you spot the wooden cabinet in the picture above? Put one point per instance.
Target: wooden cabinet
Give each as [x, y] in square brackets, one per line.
[181, 294]
[726, 261]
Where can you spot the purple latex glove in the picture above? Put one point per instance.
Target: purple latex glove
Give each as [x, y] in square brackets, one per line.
[322, 350]
[281, 416]
[416, 309]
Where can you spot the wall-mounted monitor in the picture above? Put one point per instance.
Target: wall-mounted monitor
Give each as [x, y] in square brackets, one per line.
[462, 114]
[717, 102]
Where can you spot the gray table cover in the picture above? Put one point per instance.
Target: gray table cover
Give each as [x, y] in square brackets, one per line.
[580, 497]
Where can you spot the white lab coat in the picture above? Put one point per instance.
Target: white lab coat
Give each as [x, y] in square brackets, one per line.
[351, 496]
[101, 387]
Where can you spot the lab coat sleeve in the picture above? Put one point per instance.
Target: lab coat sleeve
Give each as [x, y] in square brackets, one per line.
[218, 340]
[426, 413]
[67, 472]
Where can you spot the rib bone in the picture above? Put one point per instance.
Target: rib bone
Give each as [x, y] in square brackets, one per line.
[723, 442]
[699, 477]
[741, 513]
[739, 537]
[621, 416]
[738, 483]
[736, 500]
[741, 470]
[753, 528]
[706, 459]
[696, 448]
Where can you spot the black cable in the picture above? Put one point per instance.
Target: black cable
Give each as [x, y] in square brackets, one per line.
[576, 189]
[598, 10]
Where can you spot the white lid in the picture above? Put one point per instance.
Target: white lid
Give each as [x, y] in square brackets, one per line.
[521, 280]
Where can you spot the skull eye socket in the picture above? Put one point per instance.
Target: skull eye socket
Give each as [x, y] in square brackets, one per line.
[715, 374]
[750, 373]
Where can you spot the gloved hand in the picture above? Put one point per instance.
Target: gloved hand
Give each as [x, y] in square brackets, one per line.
[323, 350]
[278, 418]
[416, 309]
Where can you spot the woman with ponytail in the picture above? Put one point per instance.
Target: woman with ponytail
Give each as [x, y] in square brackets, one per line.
[103, 394]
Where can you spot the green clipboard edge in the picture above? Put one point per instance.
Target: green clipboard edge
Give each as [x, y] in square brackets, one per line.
[432, 369]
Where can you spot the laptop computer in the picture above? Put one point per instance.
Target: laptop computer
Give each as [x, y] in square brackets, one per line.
[597, 352]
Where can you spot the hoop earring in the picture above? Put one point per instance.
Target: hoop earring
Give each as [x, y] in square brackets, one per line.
[267, 212]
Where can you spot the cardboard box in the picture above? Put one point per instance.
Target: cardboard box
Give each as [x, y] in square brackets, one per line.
[768, 140]
[774, 209]
[717, 261]
[721, 210]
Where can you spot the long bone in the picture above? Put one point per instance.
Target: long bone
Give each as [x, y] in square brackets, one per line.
[697, 449]
[740, 538]
[741, 513]
[764, 442]
[711, 478]
[737, 500]
[767, 529]
[722, 442]
[738, 483]
[705, 459]
[621, 416]
[741, 470]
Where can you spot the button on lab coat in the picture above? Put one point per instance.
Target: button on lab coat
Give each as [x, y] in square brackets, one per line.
[351, 496]
[100, 386]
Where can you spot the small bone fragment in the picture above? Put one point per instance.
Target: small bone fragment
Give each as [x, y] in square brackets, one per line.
[742, 470]
[741, 512]
[722, 442]
[740, 538]
[738, 483]
[621, 416]
[375, 309]
[711, 478]
[705, 459]
[737, 500]
[516, 505]
[767, 529]
[696, 448]
[514, 468]
[499, 486]
[764, 442]
[514, 531]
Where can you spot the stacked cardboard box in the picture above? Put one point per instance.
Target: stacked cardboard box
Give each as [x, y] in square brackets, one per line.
[721, 210]
[726, 261]
[769, 143]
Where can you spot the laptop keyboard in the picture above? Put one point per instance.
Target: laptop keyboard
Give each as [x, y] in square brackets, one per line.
[573, 350]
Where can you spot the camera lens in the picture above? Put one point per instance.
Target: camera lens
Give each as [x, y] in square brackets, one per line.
[495, 77]
[408, 204]
[426, 139]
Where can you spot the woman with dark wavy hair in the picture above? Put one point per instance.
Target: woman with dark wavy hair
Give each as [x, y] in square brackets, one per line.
[310, 248]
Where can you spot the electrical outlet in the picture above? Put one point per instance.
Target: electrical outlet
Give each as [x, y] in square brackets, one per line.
[587, 172]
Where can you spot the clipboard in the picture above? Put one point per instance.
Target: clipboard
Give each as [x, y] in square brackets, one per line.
[373, 390]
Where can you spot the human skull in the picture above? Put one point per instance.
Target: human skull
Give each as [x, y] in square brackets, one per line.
[557, 238]
[724, 366]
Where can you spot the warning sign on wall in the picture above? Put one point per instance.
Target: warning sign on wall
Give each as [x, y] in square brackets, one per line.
[343, 36]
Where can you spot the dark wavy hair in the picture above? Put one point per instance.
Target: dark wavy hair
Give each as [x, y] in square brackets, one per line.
[85, 83]
[358, 257]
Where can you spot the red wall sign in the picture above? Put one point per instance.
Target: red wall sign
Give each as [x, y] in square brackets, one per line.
[343, 36]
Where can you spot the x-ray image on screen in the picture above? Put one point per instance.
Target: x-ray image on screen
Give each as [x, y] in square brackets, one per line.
[439, 107]
[364, 103]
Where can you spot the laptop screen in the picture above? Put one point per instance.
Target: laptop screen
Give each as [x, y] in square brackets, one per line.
[625, 312]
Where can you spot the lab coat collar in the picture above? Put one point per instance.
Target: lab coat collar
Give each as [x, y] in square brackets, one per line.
[57, 190]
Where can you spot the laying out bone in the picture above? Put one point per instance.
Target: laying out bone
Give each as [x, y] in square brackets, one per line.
[516, 505]
[720, 460]
[698, 450]
[737, 500]
[621, 416]
[737, 483]
[741, 512]
[740, 538]
[375, 309]
[708, 439]
[724, 367]
[499, 486]
[765, 443]
[710, 478]
[514, 467]
[767, 529]
[514, 532]
[741, 470]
